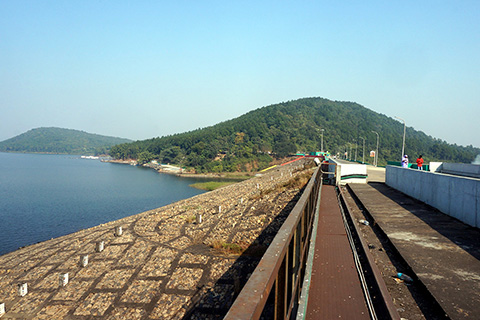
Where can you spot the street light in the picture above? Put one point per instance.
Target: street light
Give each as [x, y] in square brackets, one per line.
[321, 148]
[376, 153]
[363, 153]
[322, 140]
[404, 129]
[356, 148]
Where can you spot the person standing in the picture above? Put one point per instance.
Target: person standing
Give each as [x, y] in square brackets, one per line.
[405, 161]
[420, 162]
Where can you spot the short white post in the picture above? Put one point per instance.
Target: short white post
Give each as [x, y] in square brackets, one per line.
[118, 231]
[100, 246]
[84, 260]
[199, 218]
[2, 309]
[63, 279]
[219, 209]
[22, 289]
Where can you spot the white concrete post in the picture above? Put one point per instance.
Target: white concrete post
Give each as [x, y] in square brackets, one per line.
[100, 246]
[118, 231]
[63, 279]
[84, 260]
[22, 289]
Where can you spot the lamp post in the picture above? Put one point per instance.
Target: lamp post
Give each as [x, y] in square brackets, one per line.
[356, 148]
[322, 140]
[363, 152]
[376, 152]
[404, 129]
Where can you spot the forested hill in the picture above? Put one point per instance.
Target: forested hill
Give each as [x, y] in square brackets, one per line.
[61, 141]
[245, 142]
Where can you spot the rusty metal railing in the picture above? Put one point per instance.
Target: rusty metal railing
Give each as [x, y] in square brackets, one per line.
[274, 287]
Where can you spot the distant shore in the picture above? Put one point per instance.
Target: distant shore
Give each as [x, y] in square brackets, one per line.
[177, 171]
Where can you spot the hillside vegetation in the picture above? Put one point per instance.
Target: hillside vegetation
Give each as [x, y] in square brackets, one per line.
[248, 142]
[61, 141]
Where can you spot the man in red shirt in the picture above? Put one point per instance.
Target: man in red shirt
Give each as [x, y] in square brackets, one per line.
[420, 162]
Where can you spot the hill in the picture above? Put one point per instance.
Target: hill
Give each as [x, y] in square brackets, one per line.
[61, 141]
[249, 141]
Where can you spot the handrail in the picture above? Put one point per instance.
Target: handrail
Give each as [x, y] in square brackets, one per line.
[278, 278]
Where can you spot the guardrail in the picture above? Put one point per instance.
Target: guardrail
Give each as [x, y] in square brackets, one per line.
[274, 287]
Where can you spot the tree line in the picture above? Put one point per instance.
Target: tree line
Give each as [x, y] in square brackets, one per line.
[251, 141]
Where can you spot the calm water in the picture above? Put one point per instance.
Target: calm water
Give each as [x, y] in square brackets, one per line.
[46, 196]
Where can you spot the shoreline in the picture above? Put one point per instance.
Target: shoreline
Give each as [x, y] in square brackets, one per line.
[234, 176]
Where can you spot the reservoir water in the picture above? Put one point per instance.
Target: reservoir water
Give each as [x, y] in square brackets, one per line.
[47, 196]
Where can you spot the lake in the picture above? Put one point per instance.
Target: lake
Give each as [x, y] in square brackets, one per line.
[47, 196]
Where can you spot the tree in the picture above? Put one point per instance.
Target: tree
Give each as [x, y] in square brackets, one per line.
[145, 157]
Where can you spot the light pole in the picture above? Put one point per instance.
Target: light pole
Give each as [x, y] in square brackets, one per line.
[356, 148]
[404, 129]
[376, 152]
[322, 140]
[363, 152]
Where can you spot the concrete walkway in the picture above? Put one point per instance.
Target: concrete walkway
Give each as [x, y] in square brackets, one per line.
[443, 253]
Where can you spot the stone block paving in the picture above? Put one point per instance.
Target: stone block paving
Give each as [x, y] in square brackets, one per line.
[163, 264]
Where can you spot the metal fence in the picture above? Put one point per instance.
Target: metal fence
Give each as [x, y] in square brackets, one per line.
[273, 289]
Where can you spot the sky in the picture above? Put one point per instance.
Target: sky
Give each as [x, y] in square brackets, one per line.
[144, 69]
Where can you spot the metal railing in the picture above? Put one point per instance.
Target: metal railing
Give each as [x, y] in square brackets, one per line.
[274, 288]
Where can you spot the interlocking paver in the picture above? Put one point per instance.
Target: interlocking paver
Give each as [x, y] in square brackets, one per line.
[163, 266]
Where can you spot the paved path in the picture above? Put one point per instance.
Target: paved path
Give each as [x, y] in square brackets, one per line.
[443, 253]
[335, 289]
[375, 174]
[163, 266]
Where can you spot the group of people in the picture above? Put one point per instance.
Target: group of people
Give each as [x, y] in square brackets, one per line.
[419, 162]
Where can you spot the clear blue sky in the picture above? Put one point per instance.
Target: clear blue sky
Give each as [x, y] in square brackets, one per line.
[142, 69]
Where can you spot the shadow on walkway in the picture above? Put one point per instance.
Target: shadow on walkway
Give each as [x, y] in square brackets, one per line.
[463, 235]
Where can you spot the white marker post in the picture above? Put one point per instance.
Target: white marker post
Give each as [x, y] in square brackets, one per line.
[63, 279]
[118, 231]
[22, 289]
[100, 246]
[84, 261]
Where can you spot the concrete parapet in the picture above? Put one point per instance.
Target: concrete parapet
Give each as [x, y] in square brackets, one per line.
[455, 196]
[460, 169]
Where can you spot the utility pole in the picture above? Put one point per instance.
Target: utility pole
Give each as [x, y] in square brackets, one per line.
[376, 152]
[404, 130]
[363, 152]
[322, 140]
[356, 148]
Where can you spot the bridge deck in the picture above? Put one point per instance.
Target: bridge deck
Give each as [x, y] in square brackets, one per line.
[335, 290]
[442, 252]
